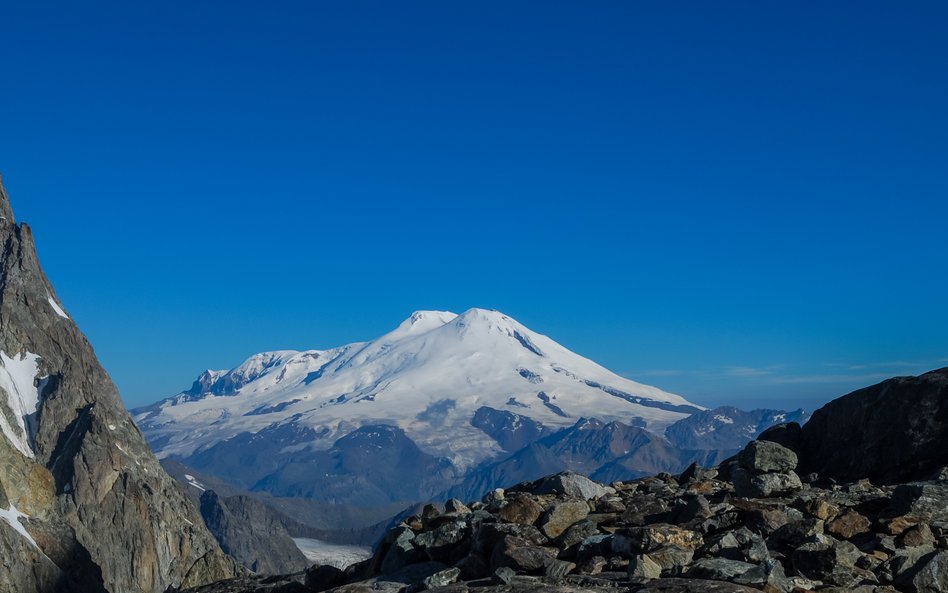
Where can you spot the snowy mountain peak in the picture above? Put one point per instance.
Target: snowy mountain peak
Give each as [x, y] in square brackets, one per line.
[428, 377]
[428, 319]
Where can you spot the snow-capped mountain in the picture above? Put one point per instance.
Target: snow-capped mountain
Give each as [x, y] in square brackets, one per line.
[427, 379]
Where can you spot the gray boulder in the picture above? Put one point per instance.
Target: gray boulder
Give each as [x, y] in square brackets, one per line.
[750, 485]
[930, 575]
[572, 485]
[767, 456]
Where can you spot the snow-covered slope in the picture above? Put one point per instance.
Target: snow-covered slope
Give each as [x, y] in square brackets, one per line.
[428, 377]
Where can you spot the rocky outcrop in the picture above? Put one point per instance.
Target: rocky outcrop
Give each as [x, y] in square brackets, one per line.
[85, 504]
[895, 431]
[695, 532]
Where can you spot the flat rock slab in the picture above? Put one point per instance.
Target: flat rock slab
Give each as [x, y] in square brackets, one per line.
[693, 586]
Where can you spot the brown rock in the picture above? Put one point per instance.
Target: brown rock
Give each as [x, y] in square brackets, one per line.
[919, 535]
[561, 516]
[637, 540]
[849, 524]
[520, 508]
[822, 509]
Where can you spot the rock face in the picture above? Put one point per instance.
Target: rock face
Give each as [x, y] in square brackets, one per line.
[85, 504]
[895, 431]
[251, 534]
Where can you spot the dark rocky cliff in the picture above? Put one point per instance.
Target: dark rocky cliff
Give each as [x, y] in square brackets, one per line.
[88, 506]
[891, 432]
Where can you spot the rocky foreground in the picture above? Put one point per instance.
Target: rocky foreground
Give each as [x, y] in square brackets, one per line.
[750, 525]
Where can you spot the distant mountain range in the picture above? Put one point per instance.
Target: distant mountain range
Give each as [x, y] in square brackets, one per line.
[443, 403]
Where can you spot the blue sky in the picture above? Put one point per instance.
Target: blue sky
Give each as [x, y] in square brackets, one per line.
[741, 202]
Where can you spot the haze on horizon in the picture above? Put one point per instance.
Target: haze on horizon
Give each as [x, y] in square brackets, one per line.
[741, 204]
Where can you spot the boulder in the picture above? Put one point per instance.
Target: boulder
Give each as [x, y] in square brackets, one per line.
[930, 575]
[637, 540]
[576, 533]
[643, 567]
[767, 456]
[848, 525]
[751, 485]
[562, 515]
[522, 508]
[922, 501]
[718, 569]
[519, 555]
[441, 578]
[571, 485]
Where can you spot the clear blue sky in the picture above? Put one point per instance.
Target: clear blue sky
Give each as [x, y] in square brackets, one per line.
[738, 201]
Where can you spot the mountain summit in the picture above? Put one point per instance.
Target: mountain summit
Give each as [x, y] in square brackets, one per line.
[430, 382]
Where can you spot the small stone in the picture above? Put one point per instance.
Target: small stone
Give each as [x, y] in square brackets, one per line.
[504, 575]
[822, 509]
[456, 506]
[443, 578]
[643, 567]
[718, 569]
[558, 569]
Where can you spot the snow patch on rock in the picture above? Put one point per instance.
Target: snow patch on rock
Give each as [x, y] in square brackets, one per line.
[12, 517]
[58, 309]
[18, 381]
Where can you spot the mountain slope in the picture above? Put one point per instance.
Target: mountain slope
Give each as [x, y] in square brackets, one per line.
[727, 427]
[607, 451]
[431, 379]
[86, 506]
